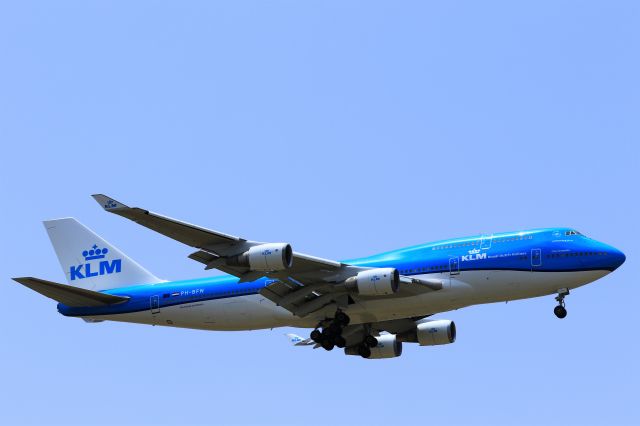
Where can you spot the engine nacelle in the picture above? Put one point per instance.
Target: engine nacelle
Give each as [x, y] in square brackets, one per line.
[375, 282]
[388, 347]
[436, 332]
[265, 257]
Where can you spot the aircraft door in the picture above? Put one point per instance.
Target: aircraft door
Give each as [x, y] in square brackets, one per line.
[454, 266]
[155, 304]
[485, 241]
[536, 258]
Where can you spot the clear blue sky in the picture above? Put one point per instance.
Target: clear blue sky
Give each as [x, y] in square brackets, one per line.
[345, 128]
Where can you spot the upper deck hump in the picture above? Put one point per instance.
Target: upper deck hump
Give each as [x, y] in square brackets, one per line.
[455, 242]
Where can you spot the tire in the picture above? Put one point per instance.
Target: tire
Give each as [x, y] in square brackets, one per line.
[371, 341]
[327, 344]
[342, 318]
[316, 336]
[364, 351]
[560, 311]
[340, 342]
[328, 333]
[335, 328]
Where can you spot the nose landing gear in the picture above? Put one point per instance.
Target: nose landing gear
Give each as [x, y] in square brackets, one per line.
[560, 311]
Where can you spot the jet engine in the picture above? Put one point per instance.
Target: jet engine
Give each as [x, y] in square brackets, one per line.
[430, 333]
[436, 332]
[265, 257]
[388, 347]
[375, 282]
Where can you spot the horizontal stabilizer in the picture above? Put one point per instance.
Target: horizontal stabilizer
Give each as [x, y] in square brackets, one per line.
[70, 295]
[299, 341]
[108, 203]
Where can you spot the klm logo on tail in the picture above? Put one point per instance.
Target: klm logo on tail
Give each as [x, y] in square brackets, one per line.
[104, 267]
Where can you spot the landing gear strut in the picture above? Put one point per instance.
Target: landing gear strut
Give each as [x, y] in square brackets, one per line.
[331, 334]
[560, 310]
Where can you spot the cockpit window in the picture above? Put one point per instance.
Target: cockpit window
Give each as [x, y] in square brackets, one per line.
[572, 232]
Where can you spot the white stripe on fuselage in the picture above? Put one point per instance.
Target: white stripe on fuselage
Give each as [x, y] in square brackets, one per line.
[467, 288]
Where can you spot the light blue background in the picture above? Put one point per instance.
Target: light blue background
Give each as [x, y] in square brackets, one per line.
[345, 128]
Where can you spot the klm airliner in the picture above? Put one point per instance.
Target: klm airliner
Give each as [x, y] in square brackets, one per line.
[368, 306]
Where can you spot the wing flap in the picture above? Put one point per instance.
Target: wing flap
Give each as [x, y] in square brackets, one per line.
[69, 295]
[299, 299]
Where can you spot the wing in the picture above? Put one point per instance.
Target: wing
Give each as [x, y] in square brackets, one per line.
[307, 286]
[186, 233]
[214, 247]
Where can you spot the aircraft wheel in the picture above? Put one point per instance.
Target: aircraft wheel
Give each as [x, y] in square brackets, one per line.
[364, 351]
[371, 341]
[316, 336]
[327, 344]
[328, 333]
[335, 328]
[340, 342]
[560, 311]
[342, 318]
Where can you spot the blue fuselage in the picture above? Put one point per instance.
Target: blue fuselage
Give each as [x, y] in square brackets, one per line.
[541, 250]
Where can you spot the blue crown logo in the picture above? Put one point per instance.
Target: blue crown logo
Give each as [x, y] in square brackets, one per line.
[110, 204]
[95, 253]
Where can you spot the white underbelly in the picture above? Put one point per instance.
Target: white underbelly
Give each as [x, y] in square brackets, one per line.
[238, 313]
[467, 288]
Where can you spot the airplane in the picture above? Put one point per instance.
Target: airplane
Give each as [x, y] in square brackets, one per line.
[367, 306]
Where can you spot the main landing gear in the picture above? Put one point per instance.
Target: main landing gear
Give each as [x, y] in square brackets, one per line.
[364, 350]
[560, 310]
[331, 335]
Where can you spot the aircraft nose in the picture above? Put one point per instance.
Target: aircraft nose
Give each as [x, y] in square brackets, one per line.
[619, 258]
[616, 257]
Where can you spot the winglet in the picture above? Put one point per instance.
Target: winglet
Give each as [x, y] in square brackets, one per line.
[108, 203]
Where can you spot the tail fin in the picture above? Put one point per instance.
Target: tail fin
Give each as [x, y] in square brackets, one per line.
[90, 262]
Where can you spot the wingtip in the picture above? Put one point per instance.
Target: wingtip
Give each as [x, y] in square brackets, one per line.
[107, 202]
